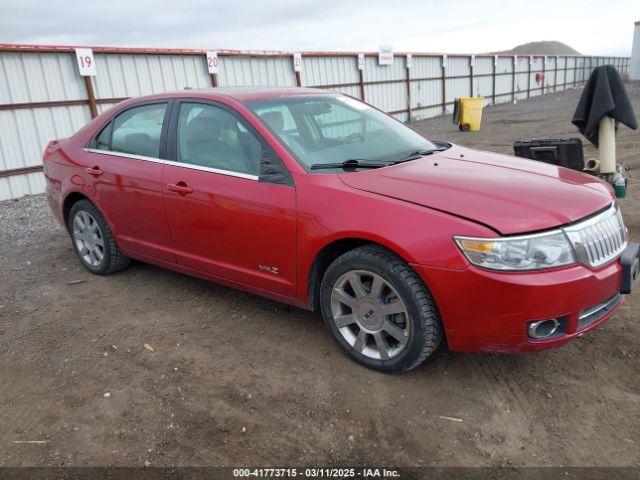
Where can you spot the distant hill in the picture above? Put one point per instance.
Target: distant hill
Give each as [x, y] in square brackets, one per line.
[542, 48]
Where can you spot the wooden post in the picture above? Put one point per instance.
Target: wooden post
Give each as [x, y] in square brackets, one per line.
[408, 81]
[565, 74]
[93, 106]
[214, 79]
[298, 80]
[544, 70]
[555, 75]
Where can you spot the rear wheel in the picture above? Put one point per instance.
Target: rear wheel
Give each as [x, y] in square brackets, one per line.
[379, 311]
[92, 240]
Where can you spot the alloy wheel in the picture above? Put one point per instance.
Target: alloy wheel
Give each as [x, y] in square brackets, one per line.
[370, 315]
[88, 238]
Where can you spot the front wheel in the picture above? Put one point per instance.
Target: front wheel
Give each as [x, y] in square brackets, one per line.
[379, 311]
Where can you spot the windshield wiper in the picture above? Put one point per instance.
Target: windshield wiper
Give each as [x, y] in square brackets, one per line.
[351, 163]
[418, 154]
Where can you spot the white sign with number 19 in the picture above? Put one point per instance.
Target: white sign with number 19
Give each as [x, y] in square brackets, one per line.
[86, 63]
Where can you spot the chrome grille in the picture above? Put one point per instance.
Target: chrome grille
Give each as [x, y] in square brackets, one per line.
[599, 239]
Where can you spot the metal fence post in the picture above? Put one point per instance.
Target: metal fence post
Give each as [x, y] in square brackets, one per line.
[471, 76]
[529, 78]
[408, 81]
[361, 79]
[93, 107]
[513, 79]
[444, 85]
[493, 89]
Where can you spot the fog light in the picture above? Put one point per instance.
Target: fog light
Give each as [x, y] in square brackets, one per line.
[543, 328]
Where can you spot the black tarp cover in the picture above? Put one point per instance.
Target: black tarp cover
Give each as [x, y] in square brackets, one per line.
[603, 95]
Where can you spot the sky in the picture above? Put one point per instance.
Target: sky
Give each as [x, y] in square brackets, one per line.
[458, 26]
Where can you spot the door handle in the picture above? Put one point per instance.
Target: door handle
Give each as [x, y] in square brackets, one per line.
[180, 188]
[95, 171]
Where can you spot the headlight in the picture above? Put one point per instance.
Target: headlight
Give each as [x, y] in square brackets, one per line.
[526, 252]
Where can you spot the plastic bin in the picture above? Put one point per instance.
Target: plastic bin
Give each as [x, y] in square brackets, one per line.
[467, 113]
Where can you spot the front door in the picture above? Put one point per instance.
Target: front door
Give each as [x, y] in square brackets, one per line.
[224, 221]
[124, 178]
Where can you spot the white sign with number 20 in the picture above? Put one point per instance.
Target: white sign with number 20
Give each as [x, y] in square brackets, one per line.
[212, 62]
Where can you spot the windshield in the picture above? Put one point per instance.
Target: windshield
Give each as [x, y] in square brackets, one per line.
[327, 129]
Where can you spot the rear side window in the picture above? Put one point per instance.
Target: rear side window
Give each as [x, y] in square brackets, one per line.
[103, 140]
[135, 131]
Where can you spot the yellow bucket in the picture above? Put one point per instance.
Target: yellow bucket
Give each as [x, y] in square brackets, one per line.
[470, 116]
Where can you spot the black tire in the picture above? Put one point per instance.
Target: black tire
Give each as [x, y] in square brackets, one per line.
[112, 259]
[421, 320]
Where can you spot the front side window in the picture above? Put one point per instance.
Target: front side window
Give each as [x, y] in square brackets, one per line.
[135, 131]
[209, 136]
[323, 129]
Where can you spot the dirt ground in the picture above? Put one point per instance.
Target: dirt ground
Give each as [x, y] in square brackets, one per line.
[236, 380]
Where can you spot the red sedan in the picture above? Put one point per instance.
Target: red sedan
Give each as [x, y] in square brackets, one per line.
[321, 201]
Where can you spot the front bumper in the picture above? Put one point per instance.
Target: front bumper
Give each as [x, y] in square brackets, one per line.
[488, 311]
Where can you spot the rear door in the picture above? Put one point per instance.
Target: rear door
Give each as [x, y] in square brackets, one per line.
[124, 178]
[227, 219]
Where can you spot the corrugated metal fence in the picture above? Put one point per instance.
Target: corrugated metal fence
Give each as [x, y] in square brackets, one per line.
[43, 97]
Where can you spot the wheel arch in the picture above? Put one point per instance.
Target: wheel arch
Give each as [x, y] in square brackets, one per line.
[332, 250]
[69, 201]
[74, 197]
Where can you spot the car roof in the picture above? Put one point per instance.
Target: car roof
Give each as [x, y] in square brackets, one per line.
[240, 94]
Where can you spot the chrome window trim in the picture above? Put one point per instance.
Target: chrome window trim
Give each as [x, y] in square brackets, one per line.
[247, 176]
[124, 155]
[228, 173]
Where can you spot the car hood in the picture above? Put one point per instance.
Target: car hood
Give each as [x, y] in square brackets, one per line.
[509, 194]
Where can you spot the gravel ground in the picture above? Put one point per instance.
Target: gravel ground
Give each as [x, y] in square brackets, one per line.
[234, 379]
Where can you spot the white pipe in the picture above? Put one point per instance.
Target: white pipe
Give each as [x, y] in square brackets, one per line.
[634, 67]
[607, 145]
[592, 165]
